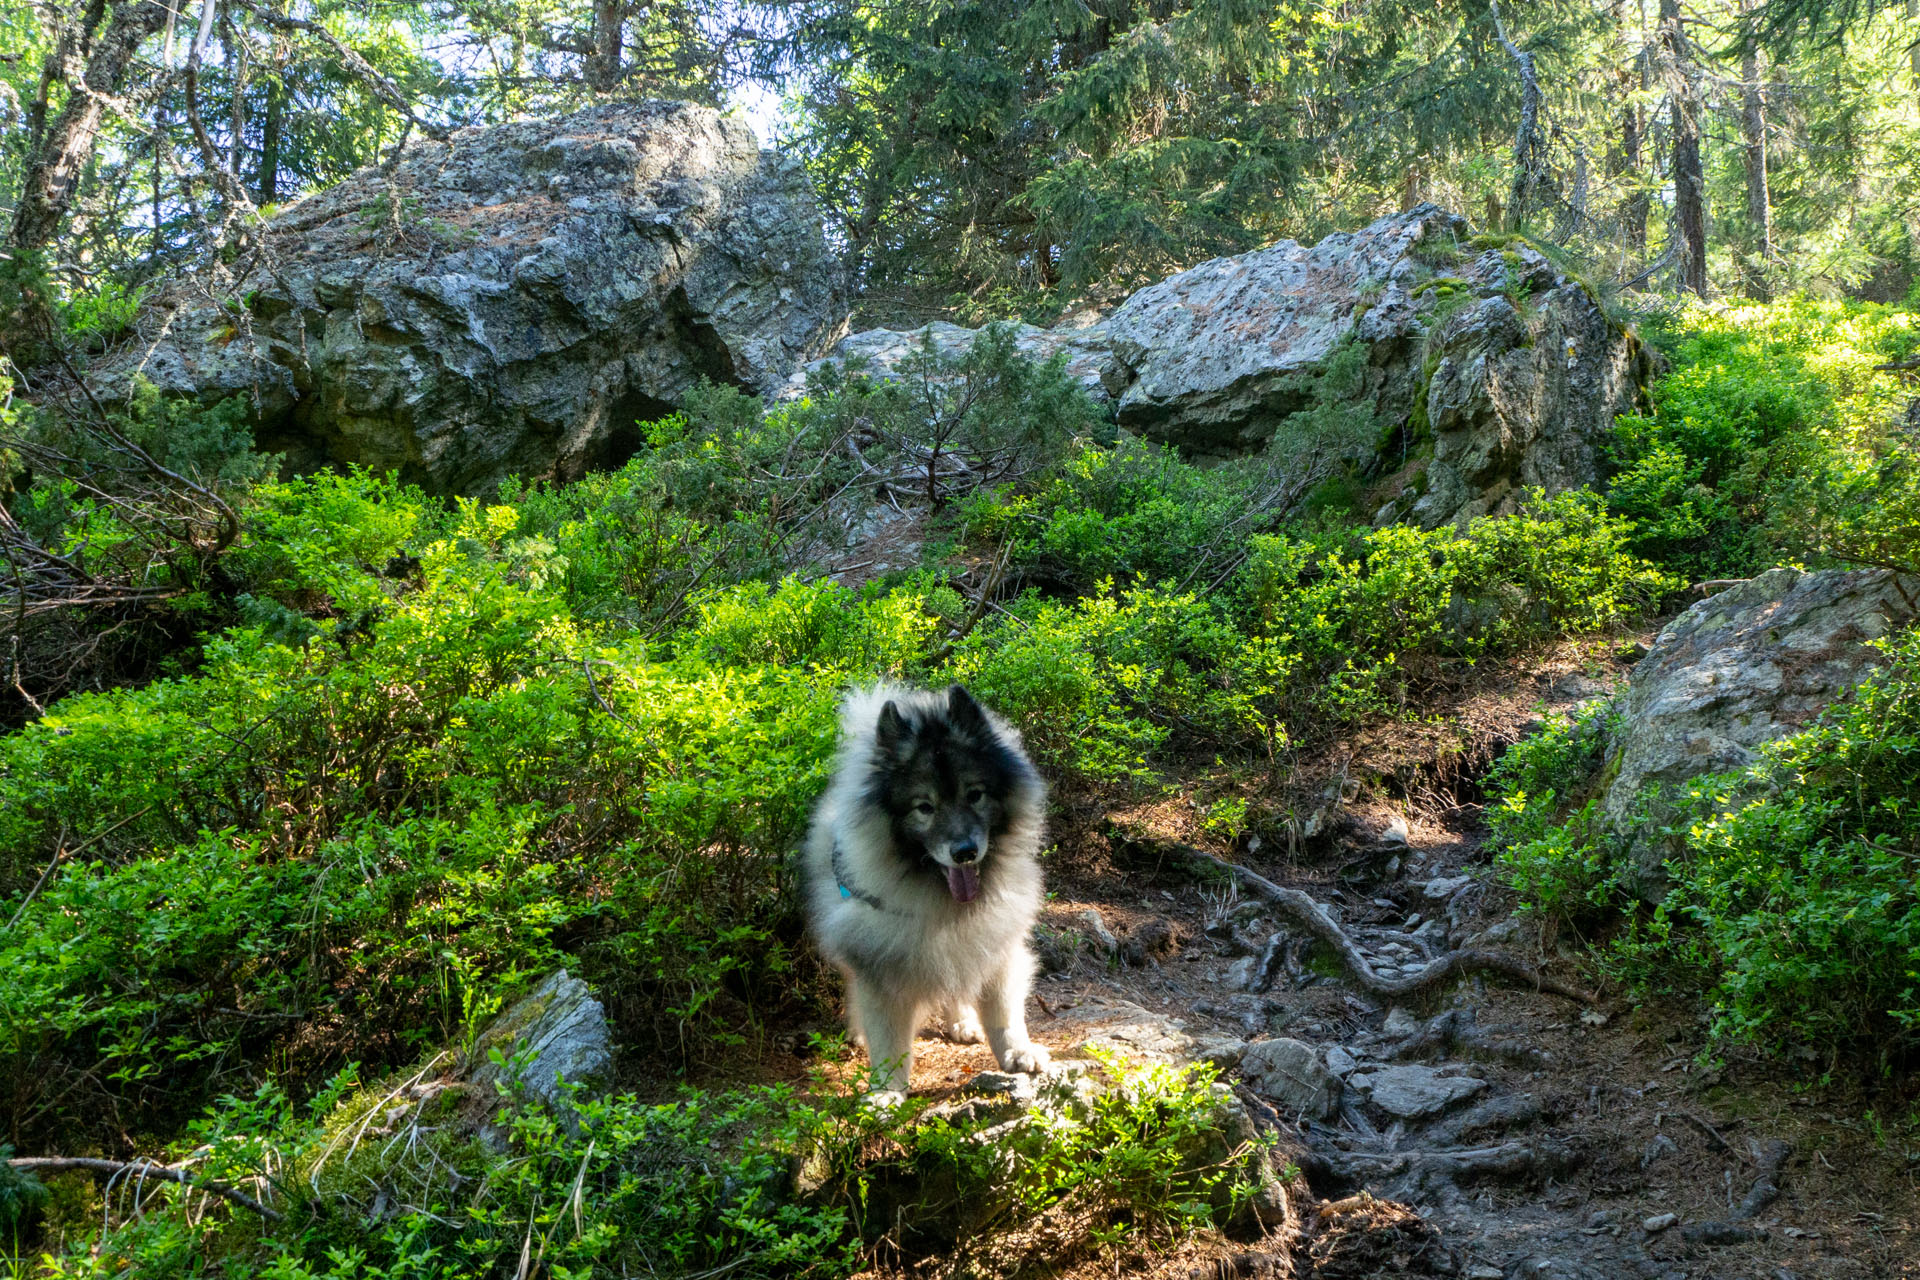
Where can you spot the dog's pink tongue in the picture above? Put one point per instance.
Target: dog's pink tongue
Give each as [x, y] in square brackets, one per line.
[964, 882]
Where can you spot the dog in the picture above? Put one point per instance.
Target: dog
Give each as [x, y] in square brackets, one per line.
[922, 877]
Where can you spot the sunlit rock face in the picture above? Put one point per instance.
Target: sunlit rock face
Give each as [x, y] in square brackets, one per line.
[1486, 370]
[512, 301]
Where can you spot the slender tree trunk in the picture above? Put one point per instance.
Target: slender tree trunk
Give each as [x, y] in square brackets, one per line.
[1913, 51]
[267, 180]
[1529, 150]
[1689, 183]
[1753, 138]
[1633, 131]
[54, 171]
[159, 208]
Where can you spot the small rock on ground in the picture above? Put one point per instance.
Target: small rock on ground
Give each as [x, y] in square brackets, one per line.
[1290, 1073]
[1414, 1092]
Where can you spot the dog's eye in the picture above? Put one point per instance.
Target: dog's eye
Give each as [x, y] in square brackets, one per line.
[923, 806]
[976, 795]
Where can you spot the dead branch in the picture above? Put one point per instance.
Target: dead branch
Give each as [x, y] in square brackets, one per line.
[1303, 910]
[63, 854]
[981, 604]
[143, 1169]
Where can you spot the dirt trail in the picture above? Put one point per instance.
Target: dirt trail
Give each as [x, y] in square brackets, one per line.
[1538, 1136]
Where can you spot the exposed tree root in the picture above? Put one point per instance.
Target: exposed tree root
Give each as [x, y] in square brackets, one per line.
[1457, 1029]
[143, 1169]
[1506, 1111]
[1309, 915]
[1770, 1156]
[1425, 1176]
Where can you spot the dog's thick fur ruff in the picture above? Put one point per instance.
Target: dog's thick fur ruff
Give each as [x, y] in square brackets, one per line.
[886, 904]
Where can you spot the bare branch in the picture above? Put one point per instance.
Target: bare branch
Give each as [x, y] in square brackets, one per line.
[143, 1169]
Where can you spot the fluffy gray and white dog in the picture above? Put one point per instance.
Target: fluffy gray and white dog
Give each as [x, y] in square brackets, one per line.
[922, 878]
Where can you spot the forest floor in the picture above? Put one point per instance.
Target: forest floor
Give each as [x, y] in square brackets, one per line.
[1592, 1122]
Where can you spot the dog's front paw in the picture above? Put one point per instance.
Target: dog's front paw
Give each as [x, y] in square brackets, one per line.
[966, 1029]
[1032, 1059]
[884, 1102]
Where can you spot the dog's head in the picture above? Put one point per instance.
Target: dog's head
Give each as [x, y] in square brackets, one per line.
[948, 783]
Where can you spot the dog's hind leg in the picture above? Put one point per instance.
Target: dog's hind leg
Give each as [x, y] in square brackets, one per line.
[963, 1023]
[1003, 1010]
[888, 1025]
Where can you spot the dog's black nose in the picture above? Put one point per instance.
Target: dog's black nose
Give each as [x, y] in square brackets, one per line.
[964, 850]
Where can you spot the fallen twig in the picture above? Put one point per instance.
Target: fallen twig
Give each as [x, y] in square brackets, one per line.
[1311, 916]
[145, 1169]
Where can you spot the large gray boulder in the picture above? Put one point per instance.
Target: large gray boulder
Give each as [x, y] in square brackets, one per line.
[1486, 370]
[1740, 669]
[510, 301]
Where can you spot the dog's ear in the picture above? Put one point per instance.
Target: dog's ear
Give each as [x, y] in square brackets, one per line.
[966, 714]
[892, 731]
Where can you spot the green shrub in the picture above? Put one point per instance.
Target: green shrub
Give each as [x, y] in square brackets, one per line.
[1098, 684]
[1132, 509]
[1545, 822]
[368, 826]
[1800, 874]
[1144, 1162]
[762, 1181]
[1370, 622]
[1544, 818]
[1773, 433]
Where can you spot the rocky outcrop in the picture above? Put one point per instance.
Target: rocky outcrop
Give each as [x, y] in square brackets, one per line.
[1523, 394]
[512, 300]
[1486, 370]
[1740, 669]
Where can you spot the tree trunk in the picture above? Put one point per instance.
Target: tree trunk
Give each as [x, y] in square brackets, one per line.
[609, 28]
[1634, 216]
[46, 192]
[267, 179]
[1529, 150]
[1689, 184]
[1753, 138]
[1913, 50]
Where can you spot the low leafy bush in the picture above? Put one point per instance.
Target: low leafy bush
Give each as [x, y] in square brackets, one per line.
[1545, 823]
[1799, 874]
[1100, 682]
[1132, 509]
[765, 1181]
[369, 825]
[1144, 1161]
[1367, 623]
[1773, 433]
